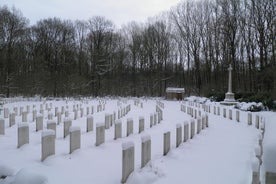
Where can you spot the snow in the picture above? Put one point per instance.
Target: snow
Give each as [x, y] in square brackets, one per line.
[47, 132]
[51, 122]
[5, 171]
[26, 176]
[74, 129]
[145, 138]
[127, 145]
[100, 124]
[222, 153]
[22, 125]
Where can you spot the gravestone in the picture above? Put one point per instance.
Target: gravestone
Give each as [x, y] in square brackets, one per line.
[146, 150]
[15, 109]
[224, 112]
[178, 134]
[34, 115]
[107, 121]
[186, 131]
[166, 142]
[75, 138]
[56, 111]
[199, 125]
[23, 134]
[155, 119]
[75, 114]
[6, 113]
[100, 133]
[58, 118]
[192, 128]
[66, 127]
[141, 124]
[87, 111]
[89, 123]
[39, 122]
[12, 119]
[237, 115]
[249, 119]
[257, 121]
[230, 114]
[47, 143]
[151, 120]
[2, 126]
[50, 116]
[128, 160]
[24, 116]
[118, 129]
[129, 126]
[51, 124]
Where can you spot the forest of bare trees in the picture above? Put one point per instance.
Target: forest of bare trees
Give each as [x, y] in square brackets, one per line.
[190, 46]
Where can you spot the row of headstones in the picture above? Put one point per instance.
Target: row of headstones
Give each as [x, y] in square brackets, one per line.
[128, 148]
[193, 113]
[160, 104]
[124, 111]
[138, 103]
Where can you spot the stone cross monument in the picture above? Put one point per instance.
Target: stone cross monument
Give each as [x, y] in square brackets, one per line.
[229, 96]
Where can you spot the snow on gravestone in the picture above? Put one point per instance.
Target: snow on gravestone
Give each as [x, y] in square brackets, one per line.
[118, 129]
[39, 122]
[129, 126]
[75, 138]
[178, 134]
[146, 150]
[141, 124]
[128, 160]
[47, 143]
[66, 127]
[100, 133]
[23, 134]
[166, 142]
[89, 123]
[2, 126]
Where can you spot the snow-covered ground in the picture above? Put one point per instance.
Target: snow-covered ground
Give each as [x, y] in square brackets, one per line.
[221, 153]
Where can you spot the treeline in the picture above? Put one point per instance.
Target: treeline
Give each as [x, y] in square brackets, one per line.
[190, 46]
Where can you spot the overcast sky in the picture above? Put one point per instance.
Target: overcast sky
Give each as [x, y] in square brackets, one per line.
[119, 11]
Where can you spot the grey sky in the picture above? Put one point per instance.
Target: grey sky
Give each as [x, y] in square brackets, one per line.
[119, 11]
